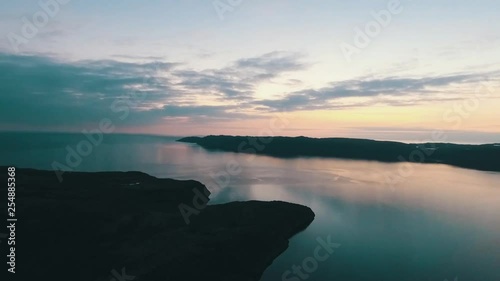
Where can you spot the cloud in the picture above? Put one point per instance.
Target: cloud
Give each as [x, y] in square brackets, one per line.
[43, 91]
[272, 63]
[239, 80]
[200, 112]
[394, 91]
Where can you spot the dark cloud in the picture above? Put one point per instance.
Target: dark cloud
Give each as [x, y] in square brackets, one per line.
[44, 91]
[210, 112]
[392, 90]
[239, 80]
[272, 63]
[217, 83]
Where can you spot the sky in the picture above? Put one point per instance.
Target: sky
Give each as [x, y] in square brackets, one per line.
[403, 70]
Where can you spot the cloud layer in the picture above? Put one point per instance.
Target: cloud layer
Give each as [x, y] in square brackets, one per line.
[45, 92]
[394, 91]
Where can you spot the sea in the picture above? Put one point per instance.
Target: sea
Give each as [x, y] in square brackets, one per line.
[388, 221]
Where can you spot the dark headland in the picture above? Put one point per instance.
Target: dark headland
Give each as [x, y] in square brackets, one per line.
[484, 157]
[93, 224]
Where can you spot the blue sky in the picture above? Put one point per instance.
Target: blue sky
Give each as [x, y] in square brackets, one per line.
[234, 69]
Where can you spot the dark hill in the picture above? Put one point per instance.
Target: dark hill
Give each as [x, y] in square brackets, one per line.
[480, 157]
[93, 223]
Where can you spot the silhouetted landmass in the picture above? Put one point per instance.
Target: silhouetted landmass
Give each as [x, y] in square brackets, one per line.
[93, 223]
[484, 157]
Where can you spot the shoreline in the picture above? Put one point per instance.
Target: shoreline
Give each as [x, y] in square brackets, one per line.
[477, 157]
[98, 222]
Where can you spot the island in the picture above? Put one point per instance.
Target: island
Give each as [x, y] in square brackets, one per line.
[485, 157]
[133, 226]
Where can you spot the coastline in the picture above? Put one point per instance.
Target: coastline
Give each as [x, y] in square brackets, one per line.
[94, 223]
[477, 157]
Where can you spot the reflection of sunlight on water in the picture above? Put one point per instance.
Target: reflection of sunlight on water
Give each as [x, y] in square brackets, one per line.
[437, 215]
[464, 196]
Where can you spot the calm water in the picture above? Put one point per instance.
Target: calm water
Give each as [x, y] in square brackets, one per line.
[437, 223]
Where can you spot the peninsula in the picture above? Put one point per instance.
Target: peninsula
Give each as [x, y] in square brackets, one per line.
[97, 226]
[479, 157]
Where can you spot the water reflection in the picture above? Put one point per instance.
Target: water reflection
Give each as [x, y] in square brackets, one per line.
[438, 223]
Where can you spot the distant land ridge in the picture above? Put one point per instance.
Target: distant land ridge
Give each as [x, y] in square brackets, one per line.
[484, 157]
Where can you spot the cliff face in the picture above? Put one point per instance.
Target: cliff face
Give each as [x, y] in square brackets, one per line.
[100, 226]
